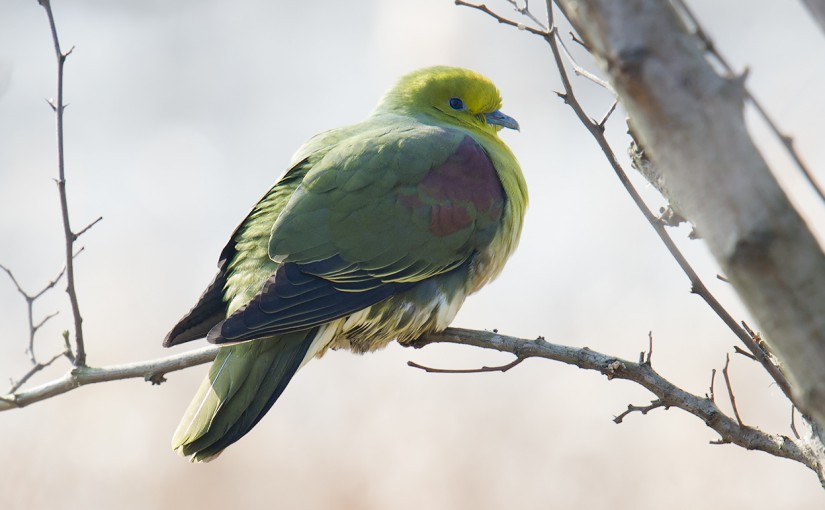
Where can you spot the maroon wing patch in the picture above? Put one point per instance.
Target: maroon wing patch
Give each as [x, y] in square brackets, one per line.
[463, 189]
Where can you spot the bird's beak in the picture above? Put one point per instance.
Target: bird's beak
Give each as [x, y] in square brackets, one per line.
[501, 119]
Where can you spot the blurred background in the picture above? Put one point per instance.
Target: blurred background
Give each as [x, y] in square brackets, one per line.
[183, 113]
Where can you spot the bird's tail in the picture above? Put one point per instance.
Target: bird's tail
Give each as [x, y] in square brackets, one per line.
[244, 381]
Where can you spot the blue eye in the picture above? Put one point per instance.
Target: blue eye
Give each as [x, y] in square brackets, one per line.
[456, 103]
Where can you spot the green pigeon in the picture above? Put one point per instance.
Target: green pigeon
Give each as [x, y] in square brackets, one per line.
[376, 231]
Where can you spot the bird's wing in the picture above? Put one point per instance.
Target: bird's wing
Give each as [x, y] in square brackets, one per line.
[378, 213]
[211, 307]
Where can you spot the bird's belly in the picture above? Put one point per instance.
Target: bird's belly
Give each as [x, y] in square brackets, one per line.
[403, 317]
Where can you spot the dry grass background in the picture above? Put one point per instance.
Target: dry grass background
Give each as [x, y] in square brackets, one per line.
[183, 113]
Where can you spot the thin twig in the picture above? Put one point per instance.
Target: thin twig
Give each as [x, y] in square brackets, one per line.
[793, 422]
[46, 318]
[712, 381]
[786, 140]
[525, 11]
[86, 228]
[575, 38]
[502, 368]
[744, 353]
[70, 236]
[650, 347]
[33, 370]
[30, 299]
[609, 113]
[52, 283]
[730, 390]
[655, 404]
[581, 71]
[15, 282]
[483, 8]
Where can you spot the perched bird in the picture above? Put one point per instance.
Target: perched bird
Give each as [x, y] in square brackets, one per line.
[377, 231]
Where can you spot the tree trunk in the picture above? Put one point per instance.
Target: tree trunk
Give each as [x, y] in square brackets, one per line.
[690, 121]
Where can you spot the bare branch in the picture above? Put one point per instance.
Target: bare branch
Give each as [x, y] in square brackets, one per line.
[46, 318]
[51, 284]
[793, 422]
[712, 396]
[525, 11]
[15, 282]
[483, 8]
[86, 228]
[584, 73]
[609, 113]
[744, 353]
[729, 430]
[70, 236]
[30, 299]
[502, 368]
[33, 370]
[649, 348]
[152, 371]
[655, 404]
[730, 390]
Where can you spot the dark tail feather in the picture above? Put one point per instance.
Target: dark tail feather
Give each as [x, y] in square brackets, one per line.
[244, 382]
[209, 311]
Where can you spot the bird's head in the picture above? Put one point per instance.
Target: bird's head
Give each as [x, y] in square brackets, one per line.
[450, 94]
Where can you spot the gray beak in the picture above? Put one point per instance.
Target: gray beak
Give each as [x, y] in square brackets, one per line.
[501, 119]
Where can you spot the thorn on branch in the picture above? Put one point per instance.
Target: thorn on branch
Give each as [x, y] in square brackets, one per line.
[655, 404]
[502, 368]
